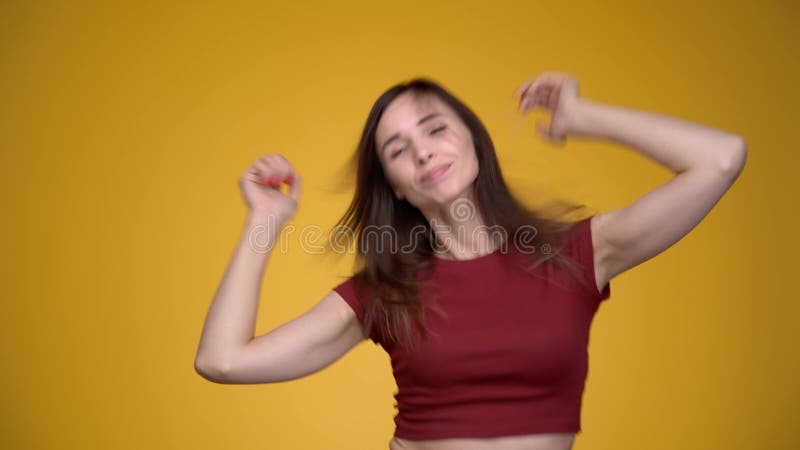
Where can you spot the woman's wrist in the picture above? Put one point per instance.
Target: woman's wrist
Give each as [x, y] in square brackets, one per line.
[264, 218]
[268, 222]
[583, 121]
[262, 231]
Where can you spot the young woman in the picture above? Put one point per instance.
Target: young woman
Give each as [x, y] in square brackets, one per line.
[483, 305]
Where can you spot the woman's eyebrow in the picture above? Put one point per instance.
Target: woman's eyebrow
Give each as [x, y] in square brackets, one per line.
[396, 135]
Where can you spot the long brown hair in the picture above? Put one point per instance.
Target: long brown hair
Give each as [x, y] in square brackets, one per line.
[390, 278]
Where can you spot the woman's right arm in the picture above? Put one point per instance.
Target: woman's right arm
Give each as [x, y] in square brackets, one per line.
[228, 351]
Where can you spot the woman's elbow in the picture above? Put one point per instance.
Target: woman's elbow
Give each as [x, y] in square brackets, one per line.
[212, 371]
[734, 157]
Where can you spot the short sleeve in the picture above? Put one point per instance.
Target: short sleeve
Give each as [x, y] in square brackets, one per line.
[581, 251]
[353, 292]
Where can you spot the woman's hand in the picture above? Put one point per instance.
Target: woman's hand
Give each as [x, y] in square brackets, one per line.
[261, 187]
[556, 92]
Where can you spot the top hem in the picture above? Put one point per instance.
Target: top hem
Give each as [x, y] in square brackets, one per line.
[477, 434]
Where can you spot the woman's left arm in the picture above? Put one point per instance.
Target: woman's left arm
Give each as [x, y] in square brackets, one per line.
[706, 162]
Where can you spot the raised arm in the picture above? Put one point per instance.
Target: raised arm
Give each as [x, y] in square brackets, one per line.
[706, 162]
[228, 351]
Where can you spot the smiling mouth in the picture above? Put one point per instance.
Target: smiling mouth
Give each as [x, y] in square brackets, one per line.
[437, 174]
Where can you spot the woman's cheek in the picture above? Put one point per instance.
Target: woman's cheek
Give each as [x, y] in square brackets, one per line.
[453, 138]
[403, 177]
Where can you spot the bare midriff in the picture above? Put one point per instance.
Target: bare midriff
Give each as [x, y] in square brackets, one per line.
[548, 441]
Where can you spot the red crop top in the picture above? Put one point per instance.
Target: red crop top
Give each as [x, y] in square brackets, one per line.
[510, 356]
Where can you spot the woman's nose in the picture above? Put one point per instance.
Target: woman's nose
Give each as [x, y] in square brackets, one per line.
[424, 153]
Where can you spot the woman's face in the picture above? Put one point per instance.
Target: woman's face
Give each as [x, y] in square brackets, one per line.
[426, 151]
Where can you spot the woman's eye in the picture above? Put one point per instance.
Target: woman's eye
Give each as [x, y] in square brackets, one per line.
[437, 130]
[397, 152]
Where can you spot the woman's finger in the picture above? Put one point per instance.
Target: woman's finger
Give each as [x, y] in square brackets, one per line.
[274, 173]
[519, 92]
[539, 92]
[288, 173]
[261, 171]
[528, 99]
[295, 186]
[270, 169]
[552, 98]
[531, 83]
[528, 87]
[543, 93]
[283, 164]
[532, 88]
[536, 96]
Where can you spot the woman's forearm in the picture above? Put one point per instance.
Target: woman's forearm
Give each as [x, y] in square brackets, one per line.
[675, 143]
[230, 322]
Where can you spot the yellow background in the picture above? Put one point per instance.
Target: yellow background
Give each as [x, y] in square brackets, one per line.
[124, 129]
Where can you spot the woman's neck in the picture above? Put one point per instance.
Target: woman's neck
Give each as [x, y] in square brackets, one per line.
[460, 232]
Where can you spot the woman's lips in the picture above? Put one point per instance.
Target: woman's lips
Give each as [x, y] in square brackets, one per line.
[436, 173]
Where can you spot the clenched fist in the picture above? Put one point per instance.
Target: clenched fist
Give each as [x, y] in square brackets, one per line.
[261, 183]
